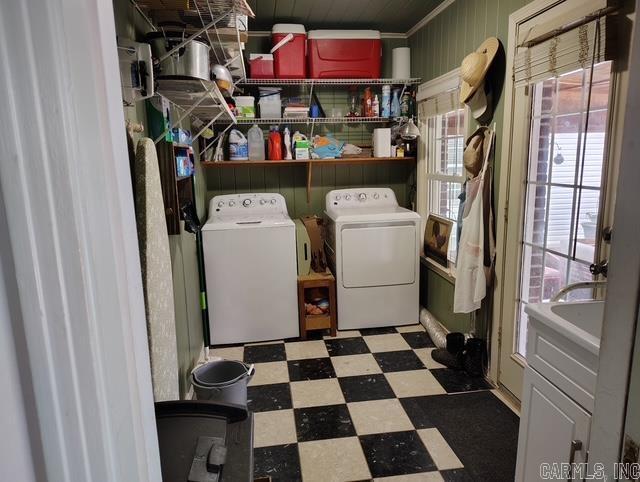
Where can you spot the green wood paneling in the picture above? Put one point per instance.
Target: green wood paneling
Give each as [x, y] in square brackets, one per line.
[291, 182]
[437, 294]
[436, 49]
[129, 24]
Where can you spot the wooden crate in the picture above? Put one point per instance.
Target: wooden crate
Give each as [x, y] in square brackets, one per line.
[317, 322]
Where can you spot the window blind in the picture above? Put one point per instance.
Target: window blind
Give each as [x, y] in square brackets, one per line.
[568, 50]
[440, 104]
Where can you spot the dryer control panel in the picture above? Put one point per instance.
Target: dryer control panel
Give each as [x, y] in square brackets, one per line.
[256, 203]
[360, 197]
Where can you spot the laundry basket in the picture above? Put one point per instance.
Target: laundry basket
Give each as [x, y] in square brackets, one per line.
[222, 381]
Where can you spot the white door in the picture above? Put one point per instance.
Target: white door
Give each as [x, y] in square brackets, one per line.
[553, 430]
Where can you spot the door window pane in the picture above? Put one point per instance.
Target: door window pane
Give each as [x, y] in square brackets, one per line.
[564, 178]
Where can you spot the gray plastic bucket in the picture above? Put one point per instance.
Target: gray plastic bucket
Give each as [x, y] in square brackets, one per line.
[222, 380]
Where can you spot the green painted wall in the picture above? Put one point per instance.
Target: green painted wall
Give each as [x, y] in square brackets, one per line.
[290, 181]
[436, 49]
[189, 338]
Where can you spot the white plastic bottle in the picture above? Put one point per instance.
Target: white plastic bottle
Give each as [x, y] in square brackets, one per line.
[287, 144]
[376, 106]
[238, 147]
[256, 143]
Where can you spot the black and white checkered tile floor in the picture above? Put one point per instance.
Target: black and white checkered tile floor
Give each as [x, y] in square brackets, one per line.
[372, 404]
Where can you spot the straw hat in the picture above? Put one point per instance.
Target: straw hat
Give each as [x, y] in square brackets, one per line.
[476, 149]
[475, 66]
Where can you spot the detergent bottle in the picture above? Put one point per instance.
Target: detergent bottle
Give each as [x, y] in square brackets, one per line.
[275, 144]
[256, 143]
[238, 146]
[300, 145]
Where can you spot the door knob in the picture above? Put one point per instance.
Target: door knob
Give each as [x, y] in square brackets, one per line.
[600, 268]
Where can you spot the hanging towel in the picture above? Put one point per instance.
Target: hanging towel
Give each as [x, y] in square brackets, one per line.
[471, 276]
[155, 260]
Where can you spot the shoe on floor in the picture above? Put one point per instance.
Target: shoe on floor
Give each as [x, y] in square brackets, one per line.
[442, 356]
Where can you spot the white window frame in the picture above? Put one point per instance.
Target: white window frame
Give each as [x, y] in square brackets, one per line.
[427, 90]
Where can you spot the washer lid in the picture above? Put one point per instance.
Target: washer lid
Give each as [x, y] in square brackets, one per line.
[370, 214]
[247, 221]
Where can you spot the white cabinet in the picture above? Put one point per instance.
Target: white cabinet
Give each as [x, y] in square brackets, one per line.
[553, 429]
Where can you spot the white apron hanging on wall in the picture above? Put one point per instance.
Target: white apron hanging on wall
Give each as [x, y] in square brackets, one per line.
[471, 280]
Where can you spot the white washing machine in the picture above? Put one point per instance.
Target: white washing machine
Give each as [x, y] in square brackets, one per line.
[373, 246]
[249, 246]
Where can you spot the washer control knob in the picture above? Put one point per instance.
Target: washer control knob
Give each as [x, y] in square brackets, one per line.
[246, 202]
[376, 195]
[338, 197]
[362, 196]
[347, 197]
[220, 204]
[273, 201]
[232, 203]
[263, 202]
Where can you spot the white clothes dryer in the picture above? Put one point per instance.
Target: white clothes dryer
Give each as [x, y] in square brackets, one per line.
[373, 248]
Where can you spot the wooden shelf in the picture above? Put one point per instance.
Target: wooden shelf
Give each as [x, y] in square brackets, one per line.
[309, 163]
[315, 162]
[317, 120]
[411, 81]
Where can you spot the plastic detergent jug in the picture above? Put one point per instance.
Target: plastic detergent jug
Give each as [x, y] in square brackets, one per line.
[300, 146]
[256, 143]
[238, 146]
[275, 144]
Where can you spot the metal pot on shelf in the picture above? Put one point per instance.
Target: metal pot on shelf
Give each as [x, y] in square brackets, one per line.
[190, 60]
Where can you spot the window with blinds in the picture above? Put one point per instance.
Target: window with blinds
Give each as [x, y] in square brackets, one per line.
[550, 47]
[445, 121]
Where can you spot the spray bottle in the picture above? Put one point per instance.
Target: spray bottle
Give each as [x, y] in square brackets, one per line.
[287, 144]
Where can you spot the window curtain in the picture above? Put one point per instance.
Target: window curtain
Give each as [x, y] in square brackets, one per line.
[546, 50]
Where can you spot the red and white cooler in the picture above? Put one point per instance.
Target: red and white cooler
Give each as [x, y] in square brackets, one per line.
[344, 54]
[261, 66]
[289, 51]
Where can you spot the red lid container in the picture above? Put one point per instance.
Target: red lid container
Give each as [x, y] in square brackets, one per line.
[289, 49]
[261, 66]
[344, 54]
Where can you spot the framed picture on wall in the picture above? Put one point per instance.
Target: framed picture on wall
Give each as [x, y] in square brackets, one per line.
[436, 239]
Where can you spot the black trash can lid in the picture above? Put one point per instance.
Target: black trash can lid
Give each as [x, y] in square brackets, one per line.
[188, 429]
